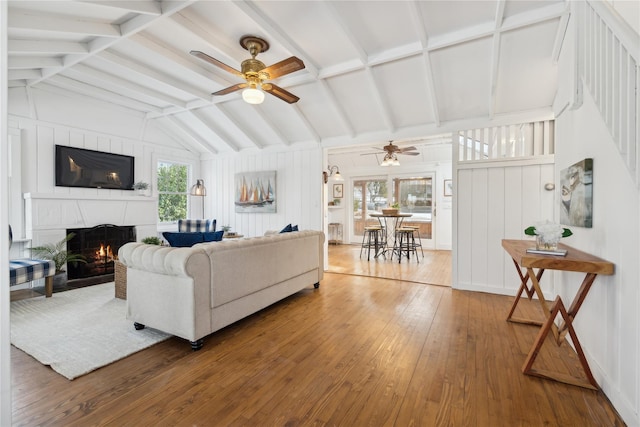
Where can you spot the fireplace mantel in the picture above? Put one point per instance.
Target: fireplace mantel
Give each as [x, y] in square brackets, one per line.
[47, 216]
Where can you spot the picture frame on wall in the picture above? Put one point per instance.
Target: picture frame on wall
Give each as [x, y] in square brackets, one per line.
[255, 192]
[576, 202]
[448, 187]
[338, 191]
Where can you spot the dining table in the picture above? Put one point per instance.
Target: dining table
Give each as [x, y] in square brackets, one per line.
[389, 222]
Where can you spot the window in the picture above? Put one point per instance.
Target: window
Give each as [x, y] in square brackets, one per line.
[369, 196]
[172, 191]
[414, 196]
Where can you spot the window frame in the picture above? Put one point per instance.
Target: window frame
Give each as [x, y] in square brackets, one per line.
[186, 193]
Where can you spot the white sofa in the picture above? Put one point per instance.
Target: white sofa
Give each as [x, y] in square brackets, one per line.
[192, 292]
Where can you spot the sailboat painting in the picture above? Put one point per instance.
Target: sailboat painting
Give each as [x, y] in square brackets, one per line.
[255, 192]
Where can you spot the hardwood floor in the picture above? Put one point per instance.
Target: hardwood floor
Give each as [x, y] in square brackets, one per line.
[434, 268]
[357, 351]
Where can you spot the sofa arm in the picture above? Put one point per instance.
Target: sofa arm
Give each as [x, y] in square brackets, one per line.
[158, 259]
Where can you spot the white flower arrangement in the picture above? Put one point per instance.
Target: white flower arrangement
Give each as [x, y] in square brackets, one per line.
[548, 234]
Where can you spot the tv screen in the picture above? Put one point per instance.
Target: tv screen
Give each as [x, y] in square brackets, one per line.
[78, 167]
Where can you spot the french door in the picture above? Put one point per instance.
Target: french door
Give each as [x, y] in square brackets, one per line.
[414, 194]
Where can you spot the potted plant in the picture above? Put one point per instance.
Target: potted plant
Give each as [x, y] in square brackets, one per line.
[141, 187]
[152, 240]
[227, 231]
[57, 252]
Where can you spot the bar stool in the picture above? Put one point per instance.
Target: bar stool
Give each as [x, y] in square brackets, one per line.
[417, 242]
[371, 238]
[405, 243]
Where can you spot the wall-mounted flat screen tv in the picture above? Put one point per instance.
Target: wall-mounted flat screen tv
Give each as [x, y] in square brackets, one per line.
[78, 167]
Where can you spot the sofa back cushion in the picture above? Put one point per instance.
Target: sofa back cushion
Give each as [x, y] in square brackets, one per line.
[253, 264]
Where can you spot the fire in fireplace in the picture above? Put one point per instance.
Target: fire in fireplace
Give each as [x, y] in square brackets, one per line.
[98, 245]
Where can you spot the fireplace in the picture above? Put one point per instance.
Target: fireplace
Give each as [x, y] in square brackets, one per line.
[99, 245]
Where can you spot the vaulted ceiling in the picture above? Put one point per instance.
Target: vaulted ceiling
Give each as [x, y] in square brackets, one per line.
[374, 70]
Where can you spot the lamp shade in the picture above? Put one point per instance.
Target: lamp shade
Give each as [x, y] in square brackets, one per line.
[253, 96]
[198, 188]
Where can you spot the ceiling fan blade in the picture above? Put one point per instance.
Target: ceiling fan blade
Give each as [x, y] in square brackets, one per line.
[284, 67]
[409, 153]
[215, 62]
[231, 89]
[278, 92]
[403, 149]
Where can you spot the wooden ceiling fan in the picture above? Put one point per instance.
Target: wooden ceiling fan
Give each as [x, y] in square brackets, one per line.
[391, 151]
[255, 73]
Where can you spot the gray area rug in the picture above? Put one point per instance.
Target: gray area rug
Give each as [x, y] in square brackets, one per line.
[78, 331]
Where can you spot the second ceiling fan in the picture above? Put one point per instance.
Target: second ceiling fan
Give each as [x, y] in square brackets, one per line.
[255, 73]
[391, 151]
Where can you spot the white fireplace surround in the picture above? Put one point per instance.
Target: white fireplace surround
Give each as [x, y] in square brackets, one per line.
[48, 216]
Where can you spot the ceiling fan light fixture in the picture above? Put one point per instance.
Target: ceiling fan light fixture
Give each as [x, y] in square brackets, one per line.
[252, 95]
[390, 160]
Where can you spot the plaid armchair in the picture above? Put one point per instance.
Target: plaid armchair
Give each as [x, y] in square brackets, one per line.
[196, 225]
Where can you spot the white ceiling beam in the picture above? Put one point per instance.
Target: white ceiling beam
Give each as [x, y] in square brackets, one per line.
[307, 123]
[560, 34]
[98, 93]
[423, 37]
[190, 133]
[182, 59]
[241, 127]
[23, 74]
[175, 133]
[133, 90]
[19, 20]
[355, 43]
[431, 87]
[283, 139]
[217, 45]
[134, 25]
[142, 7]
[536, 16]
[495, 56]
[342, 115]
[153, 75]
[27, 62]
[220, 133]
[274, 31]
[381, 102]
[499, 18]
[45, 47]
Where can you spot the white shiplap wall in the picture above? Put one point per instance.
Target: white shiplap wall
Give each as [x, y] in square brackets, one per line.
[495, 201]
[298, 190]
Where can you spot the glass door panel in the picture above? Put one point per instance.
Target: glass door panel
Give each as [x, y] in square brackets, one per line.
[369, 196]
[415, 196]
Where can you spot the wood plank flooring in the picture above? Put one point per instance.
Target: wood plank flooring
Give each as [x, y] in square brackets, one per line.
[357, 351]
[434, 268]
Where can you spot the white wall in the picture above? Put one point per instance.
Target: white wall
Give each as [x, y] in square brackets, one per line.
[298, 189]
[84, 124]
[608, 323]
[5, 326]
[495, 201]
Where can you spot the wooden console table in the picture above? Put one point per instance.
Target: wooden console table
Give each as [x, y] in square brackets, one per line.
[574, 260]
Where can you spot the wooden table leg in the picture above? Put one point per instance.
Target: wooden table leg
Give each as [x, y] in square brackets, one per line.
[576, 303]
[559, 308]
[535, 288]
